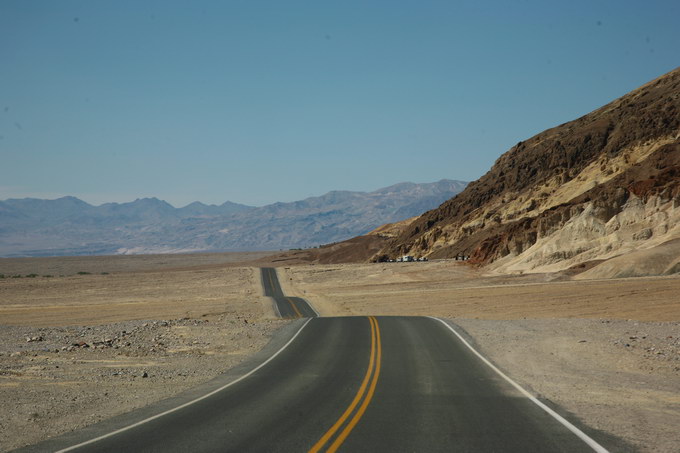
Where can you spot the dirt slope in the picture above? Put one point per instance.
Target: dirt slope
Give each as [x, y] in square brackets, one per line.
[355, 250]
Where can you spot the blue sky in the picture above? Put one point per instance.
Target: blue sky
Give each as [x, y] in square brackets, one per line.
[264, 101]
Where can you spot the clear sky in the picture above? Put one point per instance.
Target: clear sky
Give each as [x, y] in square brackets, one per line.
[263, 101]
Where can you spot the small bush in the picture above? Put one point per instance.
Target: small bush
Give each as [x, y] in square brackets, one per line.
[105, 273]
[16, 276]
[31, 275]
[83, 273]
[48, 276]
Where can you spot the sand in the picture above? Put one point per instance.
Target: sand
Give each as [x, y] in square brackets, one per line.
[452, 289]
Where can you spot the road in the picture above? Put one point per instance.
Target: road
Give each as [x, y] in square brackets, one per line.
[354, 384]
[287, 307]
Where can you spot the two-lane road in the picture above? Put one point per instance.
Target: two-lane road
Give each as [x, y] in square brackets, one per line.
[287, 307]
[355, 384]
[359, 384]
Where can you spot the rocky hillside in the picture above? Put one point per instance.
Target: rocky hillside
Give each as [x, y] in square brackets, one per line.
[603, 186]
[69, 226]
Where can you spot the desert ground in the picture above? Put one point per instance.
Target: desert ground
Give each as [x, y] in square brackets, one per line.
[105, 335]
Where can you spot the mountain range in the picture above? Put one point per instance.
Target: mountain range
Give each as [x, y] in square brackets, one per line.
[70, 226]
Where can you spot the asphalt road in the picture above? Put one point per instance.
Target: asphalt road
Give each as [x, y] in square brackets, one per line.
[287, 307]
[359, 384]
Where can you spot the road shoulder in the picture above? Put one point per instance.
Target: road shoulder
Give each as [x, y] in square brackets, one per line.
[278, 341]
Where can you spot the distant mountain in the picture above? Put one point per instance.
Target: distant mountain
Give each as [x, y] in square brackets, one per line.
[198, 209]
[69, 226]
[599, 192]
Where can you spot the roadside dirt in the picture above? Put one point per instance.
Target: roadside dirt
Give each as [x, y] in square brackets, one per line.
[622, 377]
[75, 350]
[607, 351]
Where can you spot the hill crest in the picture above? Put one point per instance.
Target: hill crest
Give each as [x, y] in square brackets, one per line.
[586, 172]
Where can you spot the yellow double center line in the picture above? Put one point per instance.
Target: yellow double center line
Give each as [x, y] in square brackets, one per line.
[365, 392]
[270, 273]
[292, 304]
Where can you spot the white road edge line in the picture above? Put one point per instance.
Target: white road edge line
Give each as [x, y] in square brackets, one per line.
[169, 411]
[581, 435]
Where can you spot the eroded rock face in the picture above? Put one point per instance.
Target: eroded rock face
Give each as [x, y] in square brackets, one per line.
[604, 184]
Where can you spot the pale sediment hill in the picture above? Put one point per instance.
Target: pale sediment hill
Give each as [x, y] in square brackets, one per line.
[604, 187]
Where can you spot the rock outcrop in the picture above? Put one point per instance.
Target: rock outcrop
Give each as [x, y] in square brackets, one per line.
[604, 185]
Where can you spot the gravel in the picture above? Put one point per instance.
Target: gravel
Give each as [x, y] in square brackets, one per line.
[57, 379]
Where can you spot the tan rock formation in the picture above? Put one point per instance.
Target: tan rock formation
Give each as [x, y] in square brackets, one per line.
[603, 186]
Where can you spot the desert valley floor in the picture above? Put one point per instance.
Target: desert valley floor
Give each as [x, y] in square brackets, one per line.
[88, 338]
